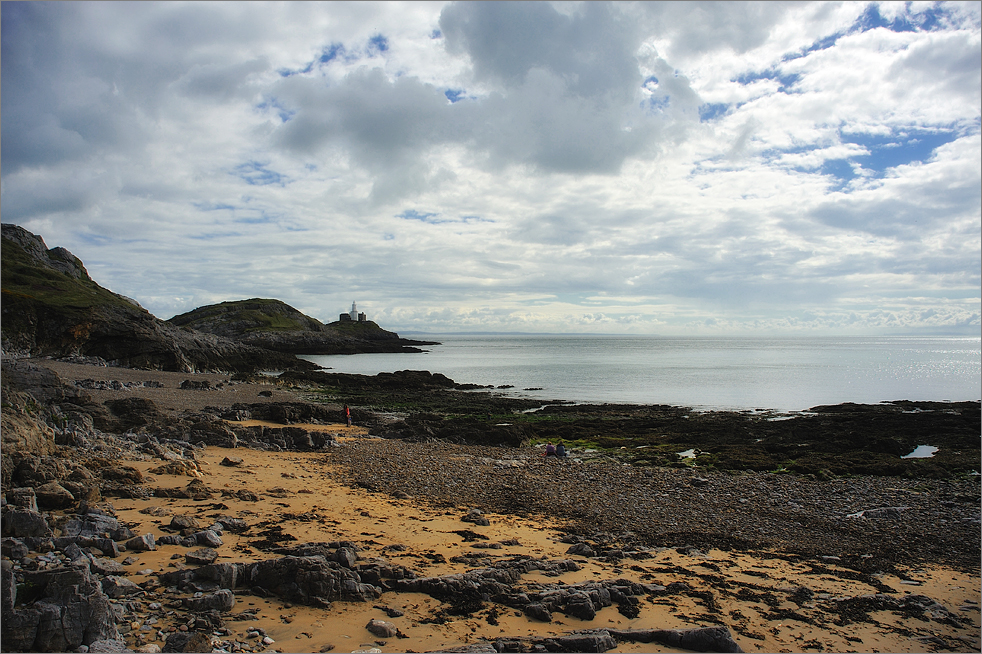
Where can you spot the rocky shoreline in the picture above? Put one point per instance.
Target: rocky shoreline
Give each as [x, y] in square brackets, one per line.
[148, 513]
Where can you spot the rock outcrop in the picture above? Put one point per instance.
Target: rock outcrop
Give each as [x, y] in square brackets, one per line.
[275, 325]
[51, 307]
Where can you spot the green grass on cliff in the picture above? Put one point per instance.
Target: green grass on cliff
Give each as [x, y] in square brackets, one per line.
[23, 279]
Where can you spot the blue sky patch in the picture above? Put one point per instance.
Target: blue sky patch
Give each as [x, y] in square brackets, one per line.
[255, 173]
[412, 214]
[282, 112]
[787, 80]
[454, 95]
[712, 110]
[378, 44]
[898, 149]
[211, 206]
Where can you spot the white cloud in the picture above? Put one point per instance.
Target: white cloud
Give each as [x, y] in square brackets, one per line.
[508, 166]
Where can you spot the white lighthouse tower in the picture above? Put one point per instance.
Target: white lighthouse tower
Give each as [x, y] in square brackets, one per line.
[354, 311]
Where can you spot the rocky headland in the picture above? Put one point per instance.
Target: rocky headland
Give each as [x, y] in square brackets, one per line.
[52, 307]
[275, 325]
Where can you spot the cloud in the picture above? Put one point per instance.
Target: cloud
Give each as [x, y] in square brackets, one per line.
[531, 166]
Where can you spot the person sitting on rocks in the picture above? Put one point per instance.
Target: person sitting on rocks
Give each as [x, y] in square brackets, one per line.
[550, 449]
[561, 450]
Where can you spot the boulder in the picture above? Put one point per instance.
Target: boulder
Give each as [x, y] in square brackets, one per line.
[117, 587]
[600, 641]
[182, 522]
[61, 610]
[24, 523]
[221, 600]
[382, 629]
[232, 461]
[538, 611]
[207, 538]
[53, 495]
[203, 556]
[23, 497]
[92, 525]
[581, 549]
[579, 605]
[142, 543]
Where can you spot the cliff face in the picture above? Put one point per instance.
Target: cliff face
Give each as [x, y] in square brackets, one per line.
[51, 307]
[275, 325]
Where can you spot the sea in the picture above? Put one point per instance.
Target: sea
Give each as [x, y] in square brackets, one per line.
[705, 373]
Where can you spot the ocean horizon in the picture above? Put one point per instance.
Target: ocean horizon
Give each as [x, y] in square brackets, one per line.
[703, 372]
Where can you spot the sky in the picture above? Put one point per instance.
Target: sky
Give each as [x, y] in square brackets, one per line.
[632, 168]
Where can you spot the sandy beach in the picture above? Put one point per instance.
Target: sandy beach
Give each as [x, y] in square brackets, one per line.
[403, 504]
[303, 494]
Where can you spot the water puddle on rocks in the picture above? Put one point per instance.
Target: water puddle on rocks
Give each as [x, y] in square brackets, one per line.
[921, 452]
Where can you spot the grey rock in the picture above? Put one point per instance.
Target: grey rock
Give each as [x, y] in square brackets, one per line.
[24, 523]
[538, 611]
[222, 601]
[232, 461]
[208, 538]
[600, 641]
[53, 495]
[117, 587]
[71, 611]
[23, 497]
[235, 525]
[203, 556]
[109, 646]
[143, 543]
[107, 567]
[346, 557]
[581, 549]
[579, 605]
[382, 629]
[181, 522]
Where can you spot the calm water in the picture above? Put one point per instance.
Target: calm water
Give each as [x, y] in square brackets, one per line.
[784, 374]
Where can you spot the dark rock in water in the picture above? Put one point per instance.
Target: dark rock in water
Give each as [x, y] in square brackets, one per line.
[222, 601]
[23, 523]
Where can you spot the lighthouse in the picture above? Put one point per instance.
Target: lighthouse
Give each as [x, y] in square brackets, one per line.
[354, 315]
